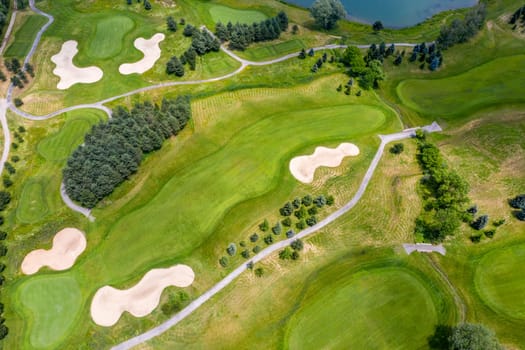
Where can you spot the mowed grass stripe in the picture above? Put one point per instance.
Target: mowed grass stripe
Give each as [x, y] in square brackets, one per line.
[226, 14]
[25, 36]
[500, 281]
[52, 303]
[372, 309]
[496, 82]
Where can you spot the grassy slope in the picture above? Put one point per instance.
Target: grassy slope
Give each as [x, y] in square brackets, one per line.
[227, 14]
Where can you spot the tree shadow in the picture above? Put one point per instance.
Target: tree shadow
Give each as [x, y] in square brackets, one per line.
[439, 340]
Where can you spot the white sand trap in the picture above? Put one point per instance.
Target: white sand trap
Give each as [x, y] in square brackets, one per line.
[140, 300]
[69, 73]
[303, 167]
[151, 50]
[68, 244]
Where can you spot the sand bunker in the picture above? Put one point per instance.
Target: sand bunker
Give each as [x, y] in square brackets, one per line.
[151, 50]
[140, 300]
[303, 167]
[69, 73]
[68, 244]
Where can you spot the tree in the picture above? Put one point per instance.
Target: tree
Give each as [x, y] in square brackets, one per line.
[259, 272]
[287, 209]
[469, 336]
[297, 245]
[245, 253]
[232, 249]
[307, 200]
[329, 200]
[311, 52]
[302, 54]
[18, 102]
[254, 238]
[147, 5]
[5, 198]
[268, 239]
[398, 60]
[480, 222]
[372, 75]
[264, 226]
[287, 222]
[312, 220]
[189, 30]
[256, 249]
[295, 29]
[29, 69]
[223, 261]
[285, 254]
[352, 58]
[377, 26]
[326, 13]
[397, 148]
[2, 76]
[174, 66]
[277, 229]
[518, 202]
[172, 24]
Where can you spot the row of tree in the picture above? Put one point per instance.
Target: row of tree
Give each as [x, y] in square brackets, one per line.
[113, 150]
[461, 30]
[427, 53]
[240, 36]
[444, 193]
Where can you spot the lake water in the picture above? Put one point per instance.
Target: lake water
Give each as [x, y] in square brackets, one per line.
[395, 13]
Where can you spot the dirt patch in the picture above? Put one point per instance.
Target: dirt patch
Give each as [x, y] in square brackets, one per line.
[68, 244]
[303, 167]
[140, 300]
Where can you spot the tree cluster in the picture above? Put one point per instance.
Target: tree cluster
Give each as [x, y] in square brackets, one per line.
[4, 9]
[368, 71]
[18, 73]
[465, 336]
[326, 13]
[518, 17]
[444, 193]
[175, 303]
[113, 150]
[240, 36]
[429, 54]
[518, 202]
[461, 30]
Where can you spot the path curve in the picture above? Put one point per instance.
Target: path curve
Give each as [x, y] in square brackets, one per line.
[9, 29]
[194, 305]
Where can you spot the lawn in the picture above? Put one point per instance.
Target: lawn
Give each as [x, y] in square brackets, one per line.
[52, 304]
[227, 14]
[24, 36]
[371, 309]
[500, 282]
[33, 206]
[486, 85]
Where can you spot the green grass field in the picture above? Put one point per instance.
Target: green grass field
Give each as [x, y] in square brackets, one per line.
[33, 206]
[373, 309]
[500, 283]
[487, 85]
[24, 36]
[227, 14]
[109, 36]
[52, 304]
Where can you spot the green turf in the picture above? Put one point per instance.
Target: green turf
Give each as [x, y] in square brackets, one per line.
[52, 303]
[24, 36]
[500, 281]
[227, 14]
[59, 145]
[109, 36]
[273, 50]
[489, 84]
[33, 206]
[374, 309]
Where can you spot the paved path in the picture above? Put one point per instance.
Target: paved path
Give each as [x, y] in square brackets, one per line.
[424, 248]
[385, 139]
[73, 206]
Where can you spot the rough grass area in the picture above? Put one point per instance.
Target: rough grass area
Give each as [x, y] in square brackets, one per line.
[500, 281]
[51, 303]
[227, 14]
[109, 36]
[274, 50]
[24, 36]
[33, 206]
[493, 83]
[371, 309]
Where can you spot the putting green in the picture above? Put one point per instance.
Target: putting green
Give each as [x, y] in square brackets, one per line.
[33, 206]
[109, 36]
[496, 82]
[52, 303]
[227, 14]
[373, 309]
[500, 281]
[58, 146]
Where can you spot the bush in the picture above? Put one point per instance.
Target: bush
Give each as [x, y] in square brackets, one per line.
[10, 168]
[290, 234]
[1, 220]
[259, 272]
[475, 238]
[5, 198]
[268, 239]
[490, 233]
[295, 255]
[330, 200]
[301, 213]
[287, 210]
[296, 203]
[397, 148]
[287, 222]
[3, 250]
[285, 254]
[232, 249]
[264, 226]
[256, 249]
[3, 331]
[518, 202]
[499, 222]
[3, 235]
[254, 237]
[473, 210]
[2, 267]
[18, 102]
[320, 201]
[520, 215]
[312, 210]
[480, 222]
[300, 225]
[15, 159]
[297, 245]
[277, 229]
[223, 261]
[307, 200]
[7, 182]
[245, 254]
[242, 244]
[312, 220]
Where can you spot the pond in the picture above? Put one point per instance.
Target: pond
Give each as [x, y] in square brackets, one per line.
[395, 13]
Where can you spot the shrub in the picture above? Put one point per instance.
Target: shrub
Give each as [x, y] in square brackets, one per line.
[397, 148]
[245, 254]
[329, 200]
[287, 222]
[300, 225]
[18, 102]
[254, 237]
[290, 234]
[232, 249]
[15, 159]
[285, 254]
[268, 239]
[250, 265]
[5, 198]
[21, 129]
[297, 245]
[499, 222]
[3, 250]
[295, 255]
[320, 201]
[473, 210]
[10, 168]
[3, 331]
[259, 272]
[312, 220]
[296, 203]
[480, 222]
[301, 213]
[7, 182]
[1, 220]
[2, 267]
[307, 200]
[520, 215]
[490, 233]
[518, 202]
[242, 244]
[312, 210]
[287, 210]
[223, 261]
[3, 235]
[256, 249]
[475, 238]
